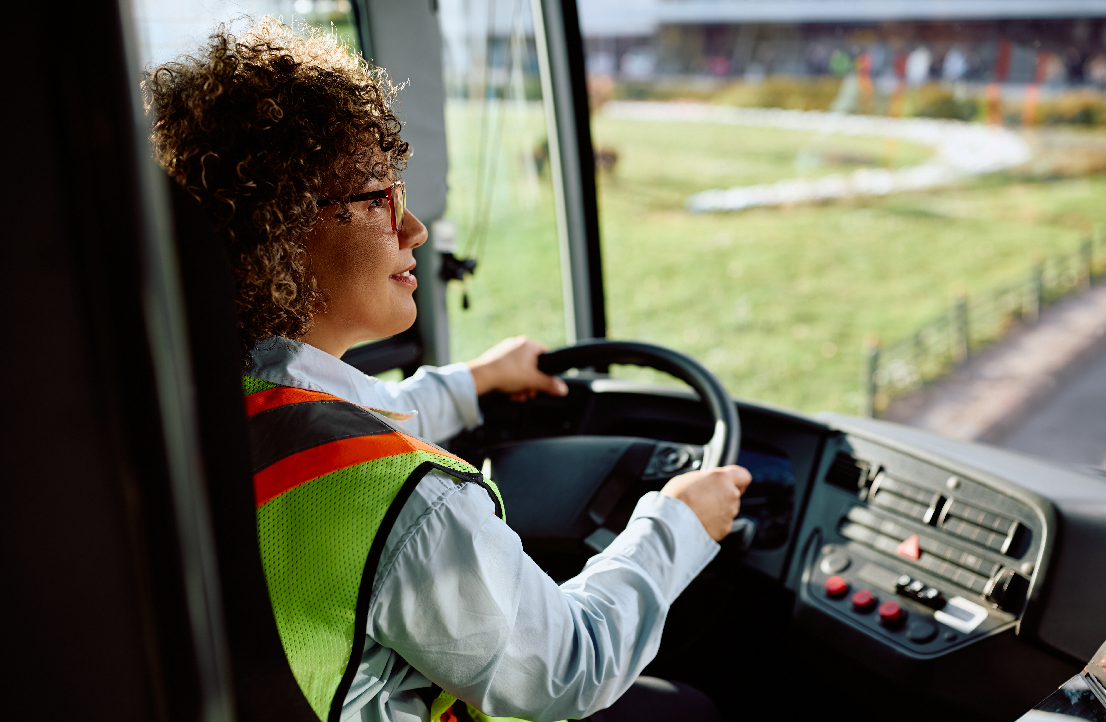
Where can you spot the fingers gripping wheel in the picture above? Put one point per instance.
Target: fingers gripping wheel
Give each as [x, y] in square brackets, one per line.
[724, 444]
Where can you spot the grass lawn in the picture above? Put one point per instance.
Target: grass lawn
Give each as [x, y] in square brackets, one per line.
[664, 163]
[776, 301]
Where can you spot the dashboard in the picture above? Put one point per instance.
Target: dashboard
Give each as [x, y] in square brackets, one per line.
[956, 572]
[923, 558]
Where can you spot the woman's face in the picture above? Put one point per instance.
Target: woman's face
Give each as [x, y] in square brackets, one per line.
[363, 268]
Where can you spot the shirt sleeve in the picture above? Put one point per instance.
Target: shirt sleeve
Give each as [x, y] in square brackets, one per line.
[458, 598]
[444, 397]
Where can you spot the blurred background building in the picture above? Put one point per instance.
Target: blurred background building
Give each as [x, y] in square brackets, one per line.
[1007, 41]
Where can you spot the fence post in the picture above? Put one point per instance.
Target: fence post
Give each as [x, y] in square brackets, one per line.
[1086, 275]
[871, 386]
[961, 342]
[1035, 294]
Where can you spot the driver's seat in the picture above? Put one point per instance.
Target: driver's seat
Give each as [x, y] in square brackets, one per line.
[264, 688]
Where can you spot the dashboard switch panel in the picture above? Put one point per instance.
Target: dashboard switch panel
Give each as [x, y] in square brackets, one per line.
[880, 596]
[938, 559]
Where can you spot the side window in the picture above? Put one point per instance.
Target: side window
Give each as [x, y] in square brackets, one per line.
[784, 186]
[168, 28]
[500, 205]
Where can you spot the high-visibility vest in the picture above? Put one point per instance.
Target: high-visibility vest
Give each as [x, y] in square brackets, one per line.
[330, 478]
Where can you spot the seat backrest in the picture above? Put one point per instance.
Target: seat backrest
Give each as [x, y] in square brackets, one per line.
[263, 683]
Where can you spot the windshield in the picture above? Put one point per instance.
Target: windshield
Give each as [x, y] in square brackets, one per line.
[827, 206]
[831, 205]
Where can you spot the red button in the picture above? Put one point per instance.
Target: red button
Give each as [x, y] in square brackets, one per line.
[864, 601]
[836, 587]
[891, 614]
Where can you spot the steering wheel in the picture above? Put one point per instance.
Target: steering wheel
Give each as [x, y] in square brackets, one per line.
[565, 488]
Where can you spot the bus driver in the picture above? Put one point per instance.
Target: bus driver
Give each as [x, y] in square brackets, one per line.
[396, 586]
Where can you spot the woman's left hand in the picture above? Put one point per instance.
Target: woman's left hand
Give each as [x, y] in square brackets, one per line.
[511, 366]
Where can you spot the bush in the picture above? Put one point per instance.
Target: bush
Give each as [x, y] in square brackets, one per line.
[1077, 108]
[933, 101]
[1081, 107]
[778, 91]
[783, 91]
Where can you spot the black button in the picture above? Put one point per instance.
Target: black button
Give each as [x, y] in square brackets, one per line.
[921, 632]
[951, 636]
[932, 597]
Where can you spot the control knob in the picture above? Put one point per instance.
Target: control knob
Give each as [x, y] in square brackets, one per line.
[1006, 590]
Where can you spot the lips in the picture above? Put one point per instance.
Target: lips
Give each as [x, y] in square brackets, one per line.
[405, 278]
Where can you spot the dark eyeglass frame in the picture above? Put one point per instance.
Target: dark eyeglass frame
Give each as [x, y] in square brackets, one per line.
[392, 193]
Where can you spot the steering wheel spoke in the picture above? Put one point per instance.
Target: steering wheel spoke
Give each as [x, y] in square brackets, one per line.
[578, 491]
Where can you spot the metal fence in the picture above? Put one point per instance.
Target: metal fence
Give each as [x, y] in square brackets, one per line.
[973, 322]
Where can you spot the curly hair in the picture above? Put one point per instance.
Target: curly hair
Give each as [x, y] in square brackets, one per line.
[260, 127]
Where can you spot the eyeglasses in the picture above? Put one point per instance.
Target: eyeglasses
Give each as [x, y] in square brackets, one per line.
[397, 199]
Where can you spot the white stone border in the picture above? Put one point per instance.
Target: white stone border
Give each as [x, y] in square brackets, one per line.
[960, 150]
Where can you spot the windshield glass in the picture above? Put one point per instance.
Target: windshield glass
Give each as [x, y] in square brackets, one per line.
[787, 187]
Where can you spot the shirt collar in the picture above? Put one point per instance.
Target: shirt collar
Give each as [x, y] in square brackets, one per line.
[283, 361]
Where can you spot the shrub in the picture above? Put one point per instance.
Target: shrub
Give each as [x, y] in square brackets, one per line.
[1083, 107]
[933, 101]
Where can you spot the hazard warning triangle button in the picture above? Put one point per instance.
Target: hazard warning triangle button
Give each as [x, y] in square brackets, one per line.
[911, 548]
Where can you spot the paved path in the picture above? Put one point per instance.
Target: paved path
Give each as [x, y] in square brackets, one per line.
[960, 150]
[1071, 426]
[1042, 389]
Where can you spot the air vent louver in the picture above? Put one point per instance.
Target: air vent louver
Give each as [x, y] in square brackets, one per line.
[847, 473]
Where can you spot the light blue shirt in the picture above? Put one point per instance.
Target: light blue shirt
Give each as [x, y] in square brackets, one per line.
[457, 602]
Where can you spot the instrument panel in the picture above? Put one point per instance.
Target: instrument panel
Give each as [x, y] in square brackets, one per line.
[917, 555]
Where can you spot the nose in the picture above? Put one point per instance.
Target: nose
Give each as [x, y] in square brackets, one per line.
[413, 233]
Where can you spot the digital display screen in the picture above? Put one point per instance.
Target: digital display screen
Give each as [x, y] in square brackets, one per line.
[769, 500]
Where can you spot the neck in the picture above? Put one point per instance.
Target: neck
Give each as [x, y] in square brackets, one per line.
[331, 343]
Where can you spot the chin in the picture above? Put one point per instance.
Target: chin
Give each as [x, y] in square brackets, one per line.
[402, 321]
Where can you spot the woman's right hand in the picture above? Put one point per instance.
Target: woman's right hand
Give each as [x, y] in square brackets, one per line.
[714, 496]
[511, 366]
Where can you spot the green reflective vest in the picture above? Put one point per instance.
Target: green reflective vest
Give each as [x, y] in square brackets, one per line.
[330, 478]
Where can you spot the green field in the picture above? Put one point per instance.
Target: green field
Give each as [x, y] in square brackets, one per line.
[776, 301]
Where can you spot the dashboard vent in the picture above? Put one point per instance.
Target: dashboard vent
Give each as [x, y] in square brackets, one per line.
[996, 532]
[847, 473]
[909, 500]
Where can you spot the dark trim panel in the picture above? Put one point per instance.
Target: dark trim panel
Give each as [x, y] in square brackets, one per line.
[402, 351]
[592, 266]
[565, 48]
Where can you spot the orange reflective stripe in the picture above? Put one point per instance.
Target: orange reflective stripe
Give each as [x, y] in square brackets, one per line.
[291, 471]
[281, 395]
